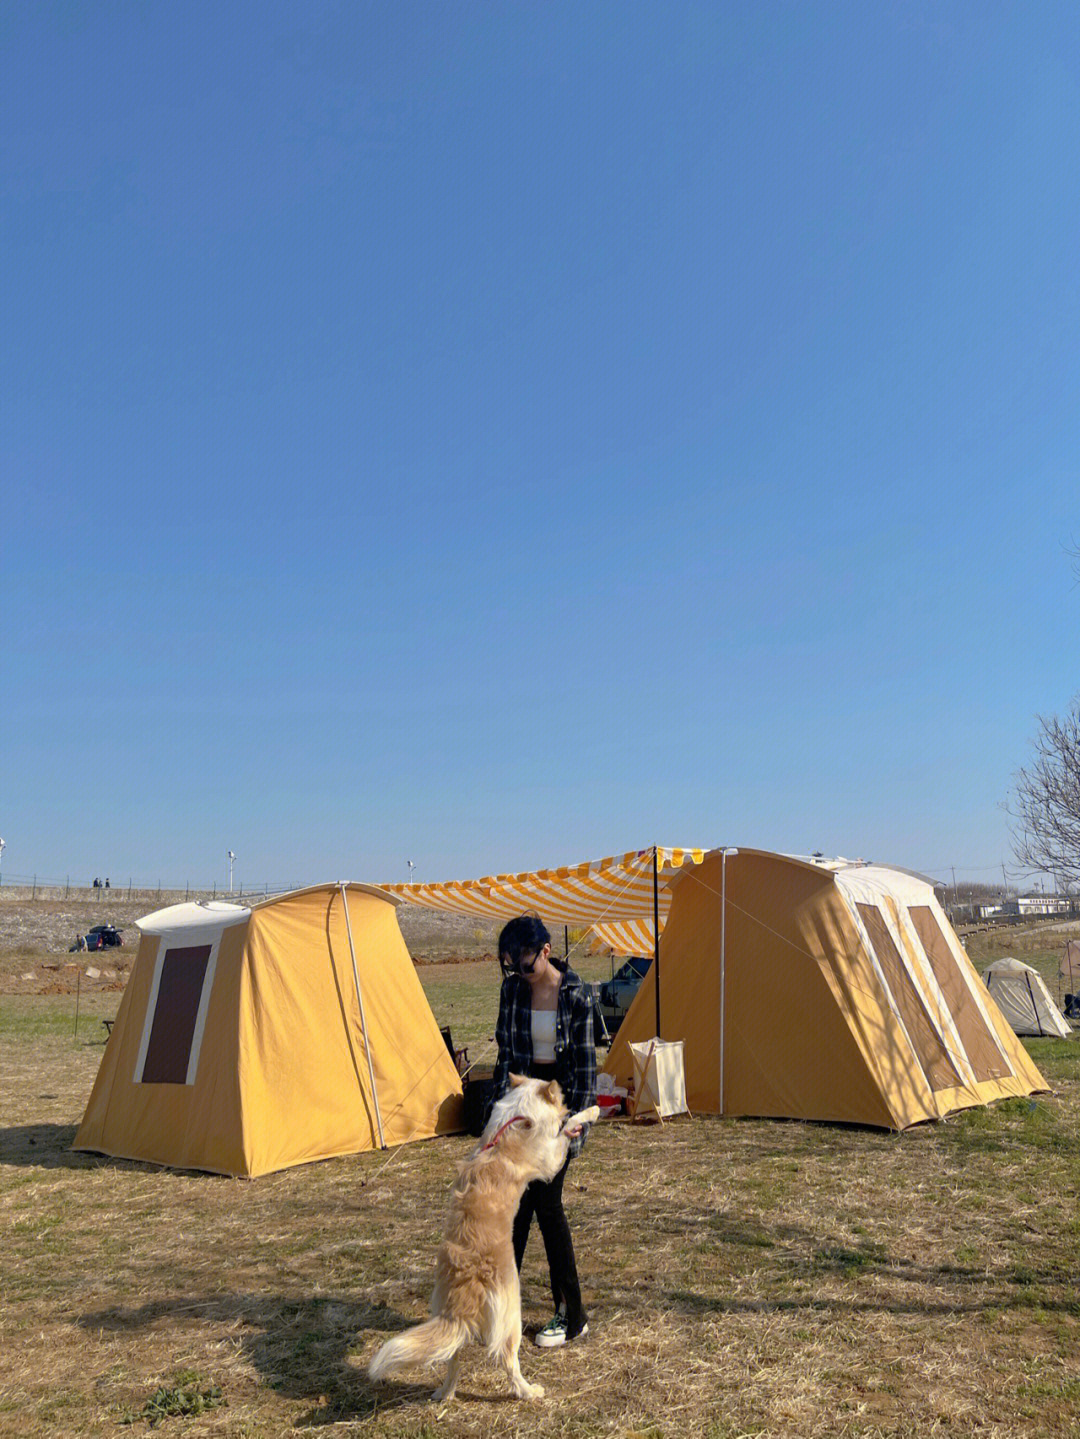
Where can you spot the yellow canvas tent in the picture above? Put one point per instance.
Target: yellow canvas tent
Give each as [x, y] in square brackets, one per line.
[826, 991]
[249, 1040]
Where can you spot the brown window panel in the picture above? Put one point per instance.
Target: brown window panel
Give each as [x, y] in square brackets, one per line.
[928, 1043]
[179, 991]
[982, 1051]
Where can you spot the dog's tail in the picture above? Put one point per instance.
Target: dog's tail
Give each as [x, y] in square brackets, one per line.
[434, 1342]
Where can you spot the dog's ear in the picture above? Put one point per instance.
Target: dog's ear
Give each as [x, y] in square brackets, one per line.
[552, 1093]
[516, 1080]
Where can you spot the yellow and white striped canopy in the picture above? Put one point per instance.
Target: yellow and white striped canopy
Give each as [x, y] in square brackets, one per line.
[613, 896]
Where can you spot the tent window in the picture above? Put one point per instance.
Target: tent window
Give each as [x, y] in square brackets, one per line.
[982, 1052]
[176, 1011]
[928, 1043]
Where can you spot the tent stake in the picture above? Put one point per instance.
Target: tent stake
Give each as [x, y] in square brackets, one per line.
[363, 1021]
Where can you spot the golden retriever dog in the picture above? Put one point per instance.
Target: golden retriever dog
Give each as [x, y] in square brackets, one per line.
[476, 1293]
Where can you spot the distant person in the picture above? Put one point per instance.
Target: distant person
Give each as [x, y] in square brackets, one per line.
[106, 881]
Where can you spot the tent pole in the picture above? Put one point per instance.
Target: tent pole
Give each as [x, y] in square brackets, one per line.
[1031, 996]
[723, 961]
[363, 1021]
[656, 933]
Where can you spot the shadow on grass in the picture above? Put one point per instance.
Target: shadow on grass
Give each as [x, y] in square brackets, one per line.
[801, 1260]
[301, 1348]
[1013, 1292]
[48, 1146]
[794, 1255]
[45, 1146]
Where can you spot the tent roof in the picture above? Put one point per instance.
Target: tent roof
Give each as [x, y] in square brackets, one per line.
[193, 914]
[1008, 965]
[381, 891]
[219, 914]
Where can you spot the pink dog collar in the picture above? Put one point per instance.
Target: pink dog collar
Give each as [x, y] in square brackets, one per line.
[517, 1118]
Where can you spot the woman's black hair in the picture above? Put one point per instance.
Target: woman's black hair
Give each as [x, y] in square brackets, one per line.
[525, 935]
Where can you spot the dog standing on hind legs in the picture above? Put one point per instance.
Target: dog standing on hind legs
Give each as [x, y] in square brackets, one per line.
[477, 1294]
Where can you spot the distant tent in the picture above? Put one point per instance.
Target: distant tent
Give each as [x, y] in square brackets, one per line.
[1023, 998]
[1069, 971]
[825, 991]
[250, 1040]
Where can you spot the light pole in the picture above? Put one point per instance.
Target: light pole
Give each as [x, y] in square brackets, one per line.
[723, 960]
[231, 858]
[3, 846]
[412, 866]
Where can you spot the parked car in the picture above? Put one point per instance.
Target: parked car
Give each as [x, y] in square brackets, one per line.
[101, 936]
[111, 938]
[617, 993]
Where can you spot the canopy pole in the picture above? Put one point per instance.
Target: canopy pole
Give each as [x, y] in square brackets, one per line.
[363, 1021]
[656, 932]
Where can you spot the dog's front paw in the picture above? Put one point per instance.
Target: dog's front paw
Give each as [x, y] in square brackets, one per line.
[444, 1391]
[532, 1391]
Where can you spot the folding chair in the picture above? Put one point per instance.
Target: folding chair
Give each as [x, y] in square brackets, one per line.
[459, 1056]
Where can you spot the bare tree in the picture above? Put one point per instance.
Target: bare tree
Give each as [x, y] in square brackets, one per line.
[1045, 807]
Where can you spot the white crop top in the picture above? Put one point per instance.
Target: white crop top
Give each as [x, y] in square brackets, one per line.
[543, 1035]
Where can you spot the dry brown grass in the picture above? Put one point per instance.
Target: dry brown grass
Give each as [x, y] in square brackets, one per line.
[744, 1277]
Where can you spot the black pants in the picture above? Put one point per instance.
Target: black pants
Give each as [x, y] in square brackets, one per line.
[544, 1199]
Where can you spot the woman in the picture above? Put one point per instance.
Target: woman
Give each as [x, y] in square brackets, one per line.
[545, 1029]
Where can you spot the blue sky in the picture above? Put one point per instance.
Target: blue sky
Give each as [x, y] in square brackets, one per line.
[507, 434]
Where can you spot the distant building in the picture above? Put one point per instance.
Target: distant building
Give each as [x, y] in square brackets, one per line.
[1035, 905]
[992, 909]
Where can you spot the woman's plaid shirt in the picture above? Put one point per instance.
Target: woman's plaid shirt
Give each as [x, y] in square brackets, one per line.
[575, 1049]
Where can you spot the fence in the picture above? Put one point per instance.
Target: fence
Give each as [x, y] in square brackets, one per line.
[22, 887]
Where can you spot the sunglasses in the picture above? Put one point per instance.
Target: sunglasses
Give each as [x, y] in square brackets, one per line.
[523, 964]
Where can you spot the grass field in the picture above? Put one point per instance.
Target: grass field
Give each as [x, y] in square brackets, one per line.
[743, 1277]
